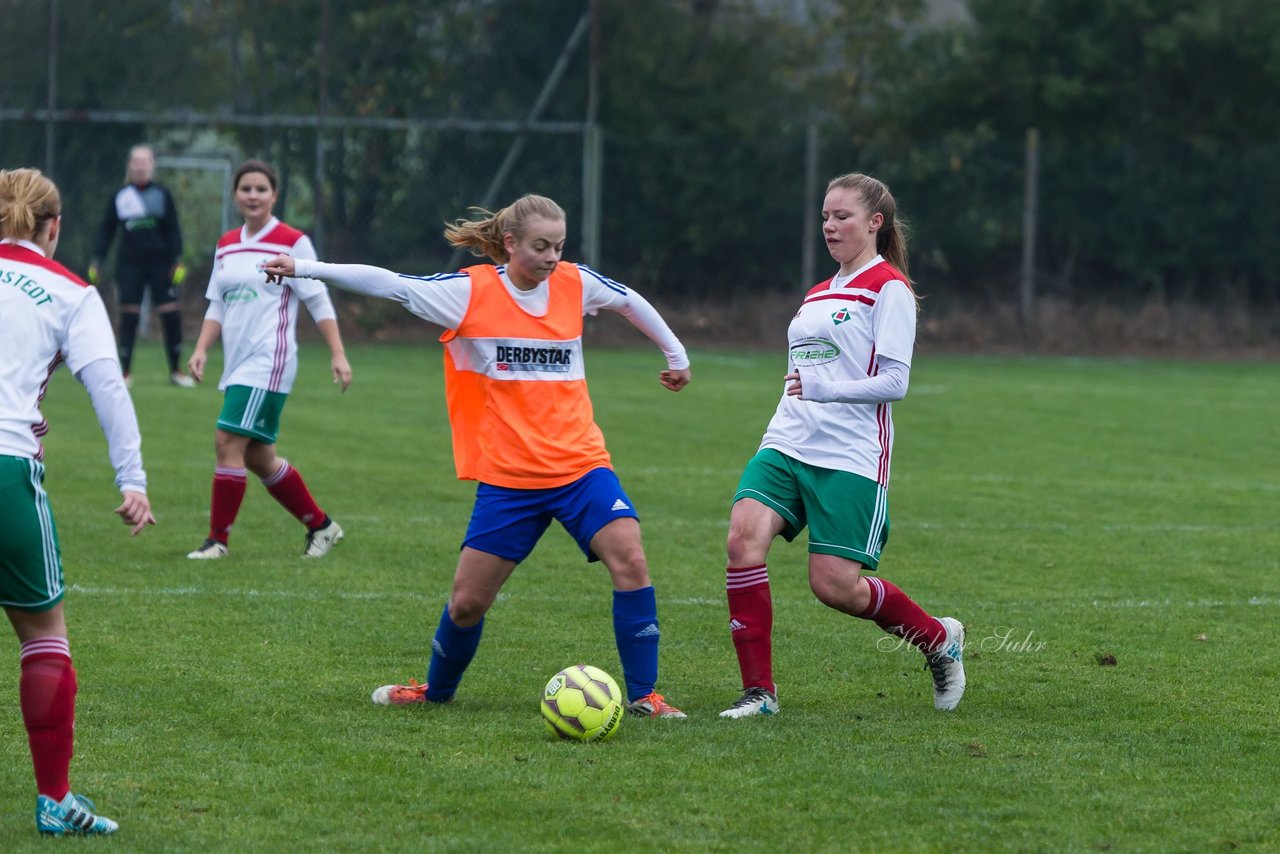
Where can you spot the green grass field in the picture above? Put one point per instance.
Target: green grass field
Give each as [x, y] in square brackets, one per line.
[1067, 510]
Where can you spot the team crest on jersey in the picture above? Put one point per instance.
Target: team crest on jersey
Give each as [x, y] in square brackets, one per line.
[839, 317]
[808, 352]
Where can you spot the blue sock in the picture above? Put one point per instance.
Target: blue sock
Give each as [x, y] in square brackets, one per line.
[635, 628]
[451, 652]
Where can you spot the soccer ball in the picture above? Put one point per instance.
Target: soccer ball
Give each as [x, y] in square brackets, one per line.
[582, 703]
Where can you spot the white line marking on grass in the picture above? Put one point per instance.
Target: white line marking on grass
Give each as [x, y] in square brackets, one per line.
[1125, 527]
[1252, 601]
[405, 520]
[1219, 485]
[694, 601]
[246, 593]
[311, 596]
[686, 470]
[717, 601]
[1118, 604]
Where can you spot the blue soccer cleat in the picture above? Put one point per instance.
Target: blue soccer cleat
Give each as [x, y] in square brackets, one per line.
[73, 817]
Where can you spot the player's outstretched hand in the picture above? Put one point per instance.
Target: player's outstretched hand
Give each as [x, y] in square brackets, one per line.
[135, 512]
[279, 267]
[675, 380]
[341, 371]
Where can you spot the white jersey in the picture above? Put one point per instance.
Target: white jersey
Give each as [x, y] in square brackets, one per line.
[259, 318]
[47, 316]
[840, 329]
[443, 298]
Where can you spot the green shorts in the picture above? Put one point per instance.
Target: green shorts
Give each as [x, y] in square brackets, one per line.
[252, 412]
[847, 514]
[30, 558]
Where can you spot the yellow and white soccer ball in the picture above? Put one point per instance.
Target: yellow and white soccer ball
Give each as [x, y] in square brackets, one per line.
[582, 703]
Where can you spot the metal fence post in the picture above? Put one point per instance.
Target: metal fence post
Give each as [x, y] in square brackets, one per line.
[1030, 213]
[51, 93]
[592, 144]
[810, 219]
[592, 168]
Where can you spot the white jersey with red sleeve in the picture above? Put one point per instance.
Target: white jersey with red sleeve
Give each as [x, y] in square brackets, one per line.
[259, 318]
[841, 327]
[47, 316]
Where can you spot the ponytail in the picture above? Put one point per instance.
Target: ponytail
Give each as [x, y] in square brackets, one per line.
[891, 239]
[484, 236]
[27, 201]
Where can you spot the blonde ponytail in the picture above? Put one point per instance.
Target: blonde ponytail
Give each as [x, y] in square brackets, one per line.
[484, 236]
[27, 201]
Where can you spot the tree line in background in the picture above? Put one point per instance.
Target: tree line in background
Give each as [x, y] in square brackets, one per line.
[1159, 162]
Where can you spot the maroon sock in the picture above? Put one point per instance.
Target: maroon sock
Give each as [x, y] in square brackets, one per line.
[751, 624]
[47, 692]
[896, 613]
[288, 487]
[228, 493]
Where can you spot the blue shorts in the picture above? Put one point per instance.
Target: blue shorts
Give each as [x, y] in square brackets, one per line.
[509, 522]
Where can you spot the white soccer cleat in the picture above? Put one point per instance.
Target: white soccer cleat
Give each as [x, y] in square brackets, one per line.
[754, 701]
[400, 695]
[211, 550]
[182, 380]
[947, 666]
[321, 540]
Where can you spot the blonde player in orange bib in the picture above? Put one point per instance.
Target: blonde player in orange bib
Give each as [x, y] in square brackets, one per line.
[523, 427]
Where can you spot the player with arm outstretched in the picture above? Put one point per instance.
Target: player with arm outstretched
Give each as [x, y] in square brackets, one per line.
[524, 428]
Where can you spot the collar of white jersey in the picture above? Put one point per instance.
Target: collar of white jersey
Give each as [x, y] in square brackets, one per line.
[246, 237]
[836, 279]
[520, 293]
[25, 244]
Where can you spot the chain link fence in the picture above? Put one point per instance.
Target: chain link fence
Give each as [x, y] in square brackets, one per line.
[386, 193]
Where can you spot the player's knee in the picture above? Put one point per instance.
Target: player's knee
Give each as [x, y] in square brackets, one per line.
[629, 569]
[635, 577]
[467, 608]
[744, 546]
[847, 593]
[824, 588]
[261, 459]
[261, 470]
[222, 443]
[229, 448]
[831, 590]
